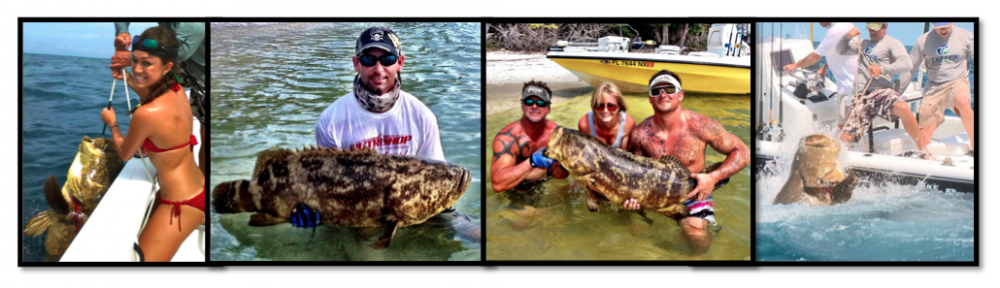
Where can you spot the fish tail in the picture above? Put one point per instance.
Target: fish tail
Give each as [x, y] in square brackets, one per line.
[39, 223]
[233, 197]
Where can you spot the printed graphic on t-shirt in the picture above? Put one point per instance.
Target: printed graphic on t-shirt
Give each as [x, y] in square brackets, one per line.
[387, 144]
[942, 55]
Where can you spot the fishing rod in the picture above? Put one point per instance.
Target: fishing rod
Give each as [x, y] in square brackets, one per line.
[781, 77]
[730, 44]
[113, 84]
[740, 31]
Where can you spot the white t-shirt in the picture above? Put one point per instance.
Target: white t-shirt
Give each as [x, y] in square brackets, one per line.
[408, 128]
[843, 66]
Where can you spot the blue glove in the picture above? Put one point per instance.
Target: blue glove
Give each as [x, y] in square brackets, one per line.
[538, 160]
[304, 217]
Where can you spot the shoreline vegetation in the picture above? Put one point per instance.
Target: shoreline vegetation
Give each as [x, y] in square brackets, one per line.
[536, 37]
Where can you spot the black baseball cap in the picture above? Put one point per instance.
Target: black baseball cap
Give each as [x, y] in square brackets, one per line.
[378, 37]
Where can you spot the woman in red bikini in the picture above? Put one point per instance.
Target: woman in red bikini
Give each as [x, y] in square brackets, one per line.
[163, 120]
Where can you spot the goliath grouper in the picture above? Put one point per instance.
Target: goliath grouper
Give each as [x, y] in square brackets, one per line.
[359, 188]
[817, 177]
[96, 165]
[615, 175]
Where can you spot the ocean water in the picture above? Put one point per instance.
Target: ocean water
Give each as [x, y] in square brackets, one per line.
[62, 101]
[558, 226]
[881, 222]
[271, 81]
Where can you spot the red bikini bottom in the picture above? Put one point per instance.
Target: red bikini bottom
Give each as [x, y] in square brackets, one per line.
[197, 202]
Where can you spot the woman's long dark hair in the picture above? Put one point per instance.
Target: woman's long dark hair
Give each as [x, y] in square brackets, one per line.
[168, 39]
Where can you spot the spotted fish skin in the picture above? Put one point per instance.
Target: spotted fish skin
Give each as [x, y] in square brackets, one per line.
[94, 168]
[615, 175]
[359, 188]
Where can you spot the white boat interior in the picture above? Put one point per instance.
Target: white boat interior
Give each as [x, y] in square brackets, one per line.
[113, 228]
[791, 106]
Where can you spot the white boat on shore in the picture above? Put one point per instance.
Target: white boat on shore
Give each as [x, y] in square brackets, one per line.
[791, 106]
[723, 69]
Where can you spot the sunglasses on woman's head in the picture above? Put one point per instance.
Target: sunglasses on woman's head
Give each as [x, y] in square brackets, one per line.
[369, 60]
[610, 106]
[149, 45]
[541, 103]
[655, 91]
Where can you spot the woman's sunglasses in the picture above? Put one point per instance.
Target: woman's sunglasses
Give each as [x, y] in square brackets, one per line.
[150, 45]
[610, 106]
[541, 103]
[369, 60]
[655, 91]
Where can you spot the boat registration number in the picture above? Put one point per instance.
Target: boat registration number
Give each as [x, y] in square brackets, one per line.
[628, 63]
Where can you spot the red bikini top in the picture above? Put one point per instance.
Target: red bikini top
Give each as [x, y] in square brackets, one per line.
[152, 147]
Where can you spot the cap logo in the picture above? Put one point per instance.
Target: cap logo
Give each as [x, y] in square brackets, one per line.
[534, 90]
[377, 35]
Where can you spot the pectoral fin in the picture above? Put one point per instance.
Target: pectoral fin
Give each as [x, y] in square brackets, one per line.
[676, 211]
[54, 196]
[265, 219]
[591, 200]
[386, 239]
[843, 190]
[37, 224]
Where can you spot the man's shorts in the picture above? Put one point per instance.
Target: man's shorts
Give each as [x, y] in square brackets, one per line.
[940, 97]
[702, 209]
[877, 104]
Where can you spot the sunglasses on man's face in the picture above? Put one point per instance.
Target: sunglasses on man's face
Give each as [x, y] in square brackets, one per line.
[369, 60]
[610, 106]
[540, 103]
[655, 92]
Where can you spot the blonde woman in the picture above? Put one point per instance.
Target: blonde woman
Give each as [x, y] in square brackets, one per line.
[608, 120]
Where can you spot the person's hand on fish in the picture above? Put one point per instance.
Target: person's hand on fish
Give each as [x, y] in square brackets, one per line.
[631, 204]
[538, 160]
[705, 185]
[108, 116]
[122, 41]
[304, 217]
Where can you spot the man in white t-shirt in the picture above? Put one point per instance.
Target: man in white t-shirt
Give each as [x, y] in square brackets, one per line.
[843, 66]
[377, 114]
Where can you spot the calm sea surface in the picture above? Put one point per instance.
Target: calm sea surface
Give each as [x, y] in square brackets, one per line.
[63, 97]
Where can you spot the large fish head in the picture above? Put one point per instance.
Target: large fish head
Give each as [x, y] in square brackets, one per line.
[817, 160]
[572, 148]
[96, 165]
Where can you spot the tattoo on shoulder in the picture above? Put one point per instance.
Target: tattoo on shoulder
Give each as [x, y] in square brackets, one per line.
[509, 145]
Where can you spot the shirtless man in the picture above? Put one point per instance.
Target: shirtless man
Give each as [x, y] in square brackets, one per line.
[518, 148]
[684, 134]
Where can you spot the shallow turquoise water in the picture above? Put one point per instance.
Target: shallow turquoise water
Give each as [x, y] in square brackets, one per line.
[270, 82]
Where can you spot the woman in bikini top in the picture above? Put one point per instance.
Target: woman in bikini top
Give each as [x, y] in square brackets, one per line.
[608, 121]
[163, 120]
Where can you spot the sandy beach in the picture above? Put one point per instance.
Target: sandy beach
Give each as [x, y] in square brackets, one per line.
[506, 73]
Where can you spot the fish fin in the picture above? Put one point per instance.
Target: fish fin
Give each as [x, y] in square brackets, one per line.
[675, 164]
[386, 239]
[591, 200]
[642, 213]
[843, 190]
[54, 196]
[265, 219]
[676, 211]
[266, 157]
[233, 197]
[713, 167]
[39, 223]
